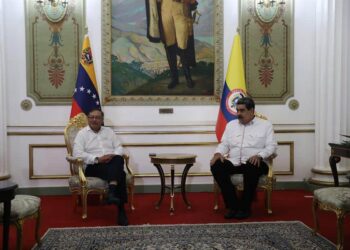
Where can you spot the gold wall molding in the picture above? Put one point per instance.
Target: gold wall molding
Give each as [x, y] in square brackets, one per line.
[172, 144]
[33, 133]
[291, 159]
[204, 132]
[31, 162]
[143, 175]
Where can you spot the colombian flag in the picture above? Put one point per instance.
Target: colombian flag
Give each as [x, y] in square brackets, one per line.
[234, 88]
[85, 96]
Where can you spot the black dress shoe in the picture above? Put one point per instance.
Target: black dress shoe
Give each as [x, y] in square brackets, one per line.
[230, 214]
[111, 197]
[122, 218]
[242, 215]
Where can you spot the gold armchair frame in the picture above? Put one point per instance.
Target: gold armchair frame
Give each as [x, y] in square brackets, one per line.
[267, 184]
[340, 213]
[335, 199]
[80, 183]
[19, 220]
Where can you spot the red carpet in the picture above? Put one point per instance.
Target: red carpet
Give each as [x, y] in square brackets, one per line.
[57, 211]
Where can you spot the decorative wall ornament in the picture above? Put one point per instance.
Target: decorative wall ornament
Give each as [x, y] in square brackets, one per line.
[136, 71]
[293, 104]
[267, 41]
[54, 34]
[26, 105]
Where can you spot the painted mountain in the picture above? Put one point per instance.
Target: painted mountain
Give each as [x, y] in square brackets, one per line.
[137, 63]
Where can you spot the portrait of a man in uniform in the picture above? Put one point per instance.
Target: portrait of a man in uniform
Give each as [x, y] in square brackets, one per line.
[163, 48]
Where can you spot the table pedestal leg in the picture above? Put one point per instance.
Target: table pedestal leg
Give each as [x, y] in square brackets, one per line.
[162, 183]
[6, 223]
[333, 160]
[172, 193]
[183, 184]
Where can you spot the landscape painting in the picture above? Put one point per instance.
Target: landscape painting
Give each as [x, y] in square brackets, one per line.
[136, 70]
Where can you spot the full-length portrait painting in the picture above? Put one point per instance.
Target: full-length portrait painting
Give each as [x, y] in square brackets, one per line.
[162, 52]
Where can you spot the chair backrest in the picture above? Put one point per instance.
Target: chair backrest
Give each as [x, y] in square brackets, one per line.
[71, 131]
[260, 116]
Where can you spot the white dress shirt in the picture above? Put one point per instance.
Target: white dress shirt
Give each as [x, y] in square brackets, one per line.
[240, 141]
[88, 145]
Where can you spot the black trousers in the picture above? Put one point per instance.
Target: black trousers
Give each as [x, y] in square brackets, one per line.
[222, 172]
[111, 171]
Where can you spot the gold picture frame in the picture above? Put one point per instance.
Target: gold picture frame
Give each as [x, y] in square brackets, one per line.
[125, 78]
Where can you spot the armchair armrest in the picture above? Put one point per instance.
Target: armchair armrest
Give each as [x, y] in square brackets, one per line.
[126, 160]
[270, 164]
[76, 165]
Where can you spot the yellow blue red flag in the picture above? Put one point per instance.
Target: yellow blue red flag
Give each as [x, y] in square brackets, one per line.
[85, 97]
[234, 88]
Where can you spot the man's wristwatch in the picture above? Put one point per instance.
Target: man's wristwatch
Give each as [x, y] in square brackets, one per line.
[96, 160]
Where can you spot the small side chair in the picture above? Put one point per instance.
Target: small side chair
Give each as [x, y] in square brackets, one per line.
[24, 207]
[337, 200]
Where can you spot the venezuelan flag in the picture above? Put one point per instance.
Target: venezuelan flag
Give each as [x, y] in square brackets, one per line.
[234, 88]
[85, 97]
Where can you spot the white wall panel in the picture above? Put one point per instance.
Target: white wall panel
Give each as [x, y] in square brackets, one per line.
[131, 120]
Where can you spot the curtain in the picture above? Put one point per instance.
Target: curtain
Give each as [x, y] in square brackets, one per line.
[332, 67]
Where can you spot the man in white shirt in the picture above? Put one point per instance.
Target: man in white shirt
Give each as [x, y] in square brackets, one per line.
[102, 152]
[247, 142]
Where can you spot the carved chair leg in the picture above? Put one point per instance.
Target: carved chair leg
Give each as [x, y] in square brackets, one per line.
[37, 227]
[268, 200]
[314, 213]
[216, 191]
[340, 231]
[84, 202]
[19, 228]
[131, 188]
[101, 197]
[76, 200]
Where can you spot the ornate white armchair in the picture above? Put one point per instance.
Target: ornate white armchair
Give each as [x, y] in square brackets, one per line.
[266, 182]
[24, 207]
[79, 184]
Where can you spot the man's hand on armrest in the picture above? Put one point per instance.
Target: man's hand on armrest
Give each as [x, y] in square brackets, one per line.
[255, 160]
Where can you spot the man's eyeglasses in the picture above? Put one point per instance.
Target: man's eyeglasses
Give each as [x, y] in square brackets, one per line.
[92, 117]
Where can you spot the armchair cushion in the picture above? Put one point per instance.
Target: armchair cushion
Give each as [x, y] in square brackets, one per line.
[338, 197]
[237, 179]
[91, 182]
[22, 206]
